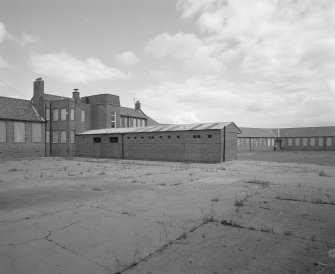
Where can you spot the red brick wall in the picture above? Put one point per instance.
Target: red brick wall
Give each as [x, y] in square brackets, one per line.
[184, 148]
[10, 149]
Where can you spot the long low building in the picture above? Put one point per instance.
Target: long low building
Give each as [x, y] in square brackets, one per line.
[210, 142]
[290, 139]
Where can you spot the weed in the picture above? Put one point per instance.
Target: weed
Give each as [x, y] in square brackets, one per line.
[266, 229]
[231, 223]
[261, 183]
[288, 233]
[95, 188]
[209, 216]
[65, 168]
[102, 173]
[162, 184]
[215, 199]
[13, 169]
[239, 202]
[313, 237]
[322, 173]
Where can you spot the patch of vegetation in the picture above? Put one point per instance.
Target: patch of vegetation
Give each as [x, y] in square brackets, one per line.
[231, 223]
[239, 202]
[102, 173]
[215, 199]
[266, 229]
[95, 188]
[262, 183]
[13, 169]
[288, 233]
[322, 173]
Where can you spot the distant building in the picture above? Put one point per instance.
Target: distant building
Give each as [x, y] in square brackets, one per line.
[22, 129]
[65, 117]
[290, 139]
[215, 142]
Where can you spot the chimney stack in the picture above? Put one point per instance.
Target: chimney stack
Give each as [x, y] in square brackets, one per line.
[76, 95]
[38, 89]
[137, 105]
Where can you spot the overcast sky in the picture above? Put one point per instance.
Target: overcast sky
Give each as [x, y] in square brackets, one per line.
[259, 63]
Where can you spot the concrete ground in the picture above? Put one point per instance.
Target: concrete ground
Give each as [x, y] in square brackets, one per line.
[109, 216]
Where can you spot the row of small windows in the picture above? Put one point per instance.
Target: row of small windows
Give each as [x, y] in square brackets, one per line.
[20, 132]
[255, 142]
[320, 141]
[63, 113]
[110, 139]
[132, 122]
[168, 137]
[59, 136]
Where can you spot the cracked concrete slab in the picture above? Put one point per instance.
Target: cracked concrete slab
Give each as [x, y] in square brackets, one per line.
[106, 216]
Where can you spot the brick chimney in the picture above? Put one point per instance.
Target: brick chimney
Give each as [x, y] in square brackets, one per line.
[76, 95]
[137, 105]
[38, 90]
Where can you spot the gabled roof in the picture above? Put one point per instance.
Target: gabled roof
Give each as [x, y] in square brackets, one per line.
[257, 132]
[18, 109]
[131, 112]
[307, 131]
[161, 128]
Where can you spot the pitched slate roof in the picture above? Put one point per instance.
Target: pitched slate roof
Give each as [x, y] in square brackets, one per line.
[51, 97]
[307, 131]
[257, 132]
[18, 109]
[161, 128]
[131, 112]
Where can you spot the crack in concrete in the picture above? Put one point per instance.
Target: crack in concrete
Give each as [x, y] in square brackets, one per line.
[106, 268]
[32, 240]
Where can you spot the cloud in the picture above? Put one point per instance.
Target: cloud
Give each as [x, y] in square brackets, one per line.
[127, 58]
[3, 63]
[3, 32]
[69, 69]
[267, 62]
[195, 54]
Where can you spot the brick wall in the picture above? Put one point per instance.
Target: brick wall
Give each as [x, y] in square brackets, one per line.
[11, 149]
[155, 146]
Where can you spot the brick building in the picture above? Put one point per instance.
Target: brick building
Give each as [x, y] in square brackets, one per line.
[215, 142]
[22, 129]
[65, 117]
[291, 139]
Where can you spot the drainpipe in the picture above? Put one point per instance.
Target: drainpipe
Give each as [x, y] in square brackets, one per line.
[122, 143]
[224, 144]
[50, 129]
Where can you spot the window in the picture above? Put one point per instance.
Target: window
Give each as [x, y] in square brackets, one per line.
[297, 141]
[320, 141]
[269, 142]
[247, 142]
[63, 114]
[72, 114]
[128, 138]
[312, 141]
[238, 142]
[135, 137]
[328, 141]
[178, 137]
[72, 136]
[169, 137]
[209, 136]
[113, 120]
[83, 115]
[113, 139]
[47, 136]
[55, 137]
[256, 142]
[63, 137]
[241, 141]
[47, 114]
[97, 139]
[2, 131]
[304, 142]
[289, 141]
[37, 132]
[143, 123]
[142, 137]
[19, 132]
[55, 114]
[160, 137]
